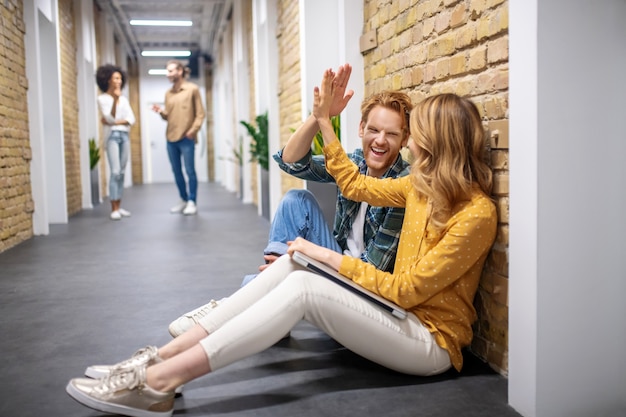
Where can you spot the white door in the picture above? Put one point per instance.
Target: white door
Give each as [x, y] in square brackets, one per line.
[159, 161]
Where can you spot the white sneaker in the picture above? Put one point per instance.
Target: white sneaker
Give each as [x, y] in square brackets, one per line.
[124, 213]
[190, 319]
[190, 208]
[116, 215]
[178, 208]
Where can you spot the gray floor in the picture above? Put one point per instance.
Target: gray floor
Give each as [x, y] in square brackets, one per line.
[94, 291]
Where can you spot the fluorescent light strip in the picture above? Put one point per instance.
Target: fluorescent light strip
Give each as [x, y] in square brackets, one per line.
[166, 53]
[137, 22]
[155, 71]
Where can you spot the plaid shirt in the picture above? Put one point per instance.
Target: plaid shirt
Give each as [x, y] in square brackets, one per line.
[381, 231]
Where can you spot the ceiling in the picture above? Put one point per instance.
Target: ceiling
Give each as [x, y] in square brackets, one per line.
[207, 17]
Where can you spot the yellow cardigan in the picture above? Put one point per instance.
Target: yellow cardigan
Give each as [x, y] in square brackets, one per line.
[436, 273]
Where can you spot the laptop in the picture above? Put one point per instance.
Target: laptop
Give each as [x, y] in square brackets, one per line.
[330, 273]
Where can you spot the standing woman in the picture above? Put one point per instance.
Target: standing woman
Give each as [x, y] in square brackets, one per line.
[117, 118]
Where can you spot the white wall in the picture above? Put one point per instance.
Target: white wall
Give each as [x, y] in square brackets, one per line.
[45, 117]
[567, 270]
[86, 91]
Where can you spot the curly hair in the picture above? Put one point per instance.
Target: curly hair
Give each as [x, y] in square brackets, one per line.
[392, 100]
[104, 74]
[451, 160]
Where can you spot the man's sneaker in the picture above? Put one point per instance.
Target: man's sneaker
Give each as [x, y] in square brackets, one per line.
[190, 208]
[146, 356]
[115, 215]
[190, 319]
[124, 393]
[178, 208]
[124, 213]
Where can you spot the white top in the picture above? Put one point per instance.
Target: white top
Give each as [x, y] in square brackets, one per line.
[122, 112]
[355, 245]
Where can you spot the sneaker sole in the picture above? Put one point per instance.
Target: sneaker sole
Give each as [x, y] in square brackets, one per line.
[106, 407]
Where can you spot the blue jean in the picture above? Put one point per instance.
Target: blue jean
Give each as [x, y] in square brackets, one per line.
[184, 148]
[118, 149]
[298, 214]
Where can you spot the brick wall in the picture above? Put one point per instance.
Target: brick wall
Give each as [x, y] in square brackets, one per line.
[289, 100]
[16, 205]
[425, 47]
[135, 131]
[69, 99]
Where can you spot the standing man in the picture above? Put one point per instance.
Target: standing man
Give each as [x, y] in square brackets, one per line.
[184, 114]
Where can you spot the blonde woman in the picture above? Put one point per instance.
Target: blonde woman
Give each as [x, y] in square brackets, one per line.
[449, 227]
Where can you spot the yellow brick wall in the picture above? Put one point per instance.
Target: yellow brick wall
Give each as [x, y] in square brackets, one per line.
[69, 99]
[425, 47]
[16, 205]
[135, 131]
[289, 99]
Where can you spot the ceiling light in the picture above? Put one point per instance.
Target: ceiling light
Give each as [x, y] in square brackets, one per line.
[155, 71]
[137, 22]
[166, 53]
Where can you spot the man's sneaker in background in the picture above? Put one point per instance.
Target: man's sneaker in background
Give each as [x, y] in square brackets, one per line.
[178, 208]
[190, 208]
[190, 319]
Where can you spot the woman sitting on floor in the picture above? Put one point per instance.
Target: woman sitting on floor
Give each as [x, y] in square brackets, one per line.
[449, 227]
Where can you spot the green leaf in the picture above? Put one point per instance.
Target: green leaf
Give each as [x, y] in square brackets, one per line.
[94, 153]
[259, 147]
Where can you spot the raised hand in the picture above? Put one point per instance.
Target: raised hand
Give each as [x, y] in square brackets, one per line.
[340, 96]
[323, 96]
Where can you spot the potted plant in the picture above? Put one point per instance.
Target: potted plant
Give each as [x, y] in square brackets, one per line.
[260, 153]
[259, 147]
[94, 158]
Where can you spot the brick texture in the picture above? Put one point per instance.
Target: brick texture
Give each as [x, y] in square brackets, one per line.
[69, 100]
[288, 34]
[16, 204]
[428, 47]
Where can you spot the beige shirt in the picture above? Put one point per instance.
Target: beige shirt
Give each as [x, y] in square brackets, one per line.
[183, 111]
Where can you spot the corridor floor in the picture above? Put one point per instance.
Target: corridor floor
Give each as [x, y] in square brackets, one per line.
[95, 290]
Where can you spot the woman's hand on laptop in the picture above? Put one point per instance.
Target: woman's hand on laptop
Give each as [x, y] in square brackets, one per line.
[320, 253]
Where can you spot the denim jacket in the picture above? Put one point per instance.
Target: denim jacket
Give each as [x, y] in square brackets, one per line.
[382, 224]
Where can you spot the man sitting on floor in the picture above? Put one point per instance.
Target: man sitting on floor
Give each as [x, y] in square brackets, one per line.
[360, 230]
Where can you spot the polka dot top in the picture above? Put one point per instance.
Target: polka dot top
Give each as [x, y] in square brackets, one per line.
[437, 271]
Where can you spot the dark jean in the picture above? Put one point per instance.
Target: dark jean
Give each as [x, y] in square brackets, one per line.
[184, 148]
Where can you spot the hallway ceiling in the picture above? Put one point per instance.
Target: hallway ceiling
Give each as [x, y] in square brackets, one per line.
[200, 38]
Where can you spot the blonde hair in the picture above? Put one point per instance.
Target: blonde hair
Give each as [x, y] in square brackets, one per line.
[451, 160]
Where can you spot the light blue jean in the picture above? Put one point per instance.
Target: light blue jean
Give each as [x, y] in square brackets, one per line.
[298, 214]
[118, 149]
[184, 149]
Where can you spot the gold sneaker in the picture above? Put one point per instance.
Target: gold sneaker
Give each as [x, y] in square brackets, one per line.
[145, 356]
[124, 393]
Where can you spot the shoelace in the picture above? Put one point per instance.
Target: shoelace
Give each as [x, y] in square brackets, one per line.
[141, 357]
[109, 385]
[204, 310]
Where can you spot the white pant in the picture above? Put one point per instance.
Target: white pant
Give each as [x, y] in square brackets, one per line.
[259, 314]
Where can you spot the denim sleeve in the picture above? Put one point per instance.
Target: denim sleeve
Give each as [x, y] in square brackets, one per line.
[310, 167]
